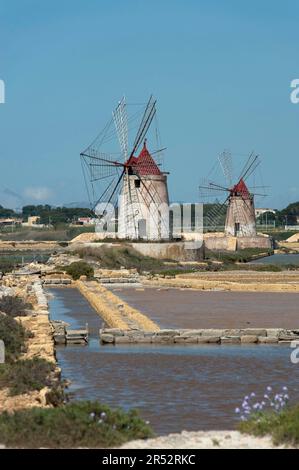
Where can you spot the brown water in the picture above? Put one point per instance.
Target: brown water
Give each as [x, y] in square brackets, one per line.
[174, 387]
[175, 308]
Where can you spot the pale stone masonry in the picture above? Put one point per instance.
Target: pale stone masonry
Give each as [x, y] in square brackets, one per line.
[200, 336]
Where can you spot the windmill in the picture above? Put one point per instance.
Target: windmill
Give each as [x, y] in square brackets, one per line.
[130, 178]
[236, 212]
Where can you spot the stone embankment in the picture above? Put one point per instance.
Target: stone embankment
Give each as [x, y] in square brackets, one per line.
[237, 281]
[200, 336]
[115, 312]
[29, 245]
[39, 345]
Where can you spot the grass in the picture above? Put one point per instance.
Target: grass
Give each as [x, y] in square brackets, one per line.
[14, 306]
[241, 256]
[81, 424]
[26, 375]
[120, 256]
[283, 426]
[63, 232]
[282, 235]
[14, 336]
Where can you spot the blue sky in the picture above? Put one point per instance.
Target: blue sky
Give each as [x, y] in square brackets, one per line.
[221, 72]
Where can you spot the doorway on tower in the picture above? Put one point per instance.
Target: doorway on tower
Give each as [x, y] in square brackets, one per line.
[142, 228]
[237, 229]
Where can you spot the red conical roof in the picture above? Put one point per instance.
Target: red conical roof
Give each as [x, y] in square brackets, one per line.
[240, 189]
[144, 164]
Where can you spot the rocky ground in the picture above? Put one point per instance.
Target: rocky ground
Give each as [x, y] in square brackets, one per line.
[205, 440]
[41, 343]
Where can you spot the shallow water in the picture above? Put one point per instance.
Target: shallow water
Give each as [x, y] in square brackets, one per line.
[279, 259]
[175, 388]
[175, 308]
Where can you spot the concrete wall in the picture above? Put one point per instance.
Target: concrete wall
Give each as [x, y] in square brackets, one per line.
[178, 251]
[228, 243]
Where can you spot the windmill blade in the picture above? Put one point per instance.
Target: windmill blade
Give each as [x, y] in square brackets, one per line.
[215, 189]
[226, 163]
[256, 162]
[146, 121]
[259, 194]
[250, 166]
[215, 216]
[120, 119]
[100, 166]
[247, 164]
[110, 191]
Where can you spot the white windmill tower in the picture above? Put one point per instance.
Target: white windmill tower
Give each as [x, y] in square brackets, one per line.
[135, 178]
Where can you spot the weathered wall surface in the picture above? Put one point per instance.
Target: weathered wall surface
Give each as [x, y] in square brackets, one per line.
[178, 251]
[228, 243]
[142, 203]
[254, 242]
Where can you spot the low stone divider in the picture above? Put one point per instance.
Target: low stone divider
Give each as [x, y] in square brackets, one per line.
[200, 336]
[56, 281]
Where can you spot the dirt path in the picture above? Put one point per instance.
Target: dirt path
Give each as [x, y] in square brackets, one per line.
[239, 281]
[204, 440]
[115, 312]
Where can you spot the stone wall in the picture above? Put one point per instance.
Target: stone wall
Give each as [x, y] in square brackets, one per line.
[199, 336]
[228, 243]
[177, 251]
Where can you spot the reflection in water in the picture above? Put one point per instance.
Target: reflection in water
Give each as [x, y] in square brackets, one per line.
[179, 387]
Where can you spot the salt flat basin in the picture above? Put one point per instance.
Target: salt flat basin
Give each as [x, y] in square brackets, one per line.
[177, 308]
[175, 387]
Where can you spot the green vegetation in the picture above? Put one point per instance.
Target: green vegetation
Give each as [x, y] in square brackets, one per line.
[14, 336]
[26, 375]
[14, 306]
[60, 232]
[240, 256]
[55, 215]
[279, 235]
[78, 269]
[6, 265]
[283, 426]
[82, 424]
[6, 212]
[120, 256]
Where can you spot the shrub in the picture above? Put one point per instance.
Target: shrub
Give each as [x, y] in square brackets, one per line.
[14, 306]
[284, 426]
[82, 424]
[270, 415]
[79, 268]
[14, 336]
[26, 375]
[120, 256]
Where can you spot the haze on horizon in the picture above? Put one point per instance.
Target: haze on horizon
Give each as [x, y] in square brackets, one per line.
[221, 72]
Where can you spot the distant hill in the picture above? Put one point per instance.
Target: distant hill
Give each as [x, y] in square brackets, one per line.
[74, 205]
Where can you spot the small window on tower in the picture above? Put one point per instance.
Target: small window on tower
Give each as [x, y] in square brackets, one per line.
[137, 183]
